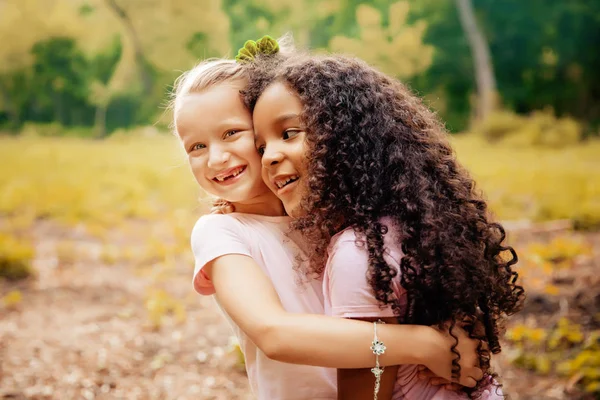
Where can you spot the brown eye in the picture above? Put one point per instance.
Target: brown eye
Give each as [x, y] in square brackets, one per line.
[289, 134]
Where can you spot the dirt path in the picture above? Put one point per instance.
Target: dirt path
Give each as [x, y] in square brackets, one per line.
[82, 332]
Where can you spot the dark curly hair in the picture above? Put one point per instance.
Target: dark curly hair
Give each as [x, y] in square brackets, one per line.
[375, 150]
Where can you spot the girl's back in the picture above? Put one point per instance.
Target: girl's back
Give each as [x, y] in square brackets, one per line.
[348, 294]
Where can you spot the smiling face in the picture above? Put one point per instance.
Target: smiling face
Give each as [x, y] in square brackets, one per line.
[280, 139]
[216, 131]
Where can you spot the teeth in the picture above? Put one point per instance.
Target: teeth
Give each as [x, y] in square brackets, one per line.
[285, 181]
[235, 173]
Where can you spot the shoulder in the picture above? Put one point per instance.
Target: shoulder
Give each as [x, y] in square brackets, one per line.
[216, 227]
[216, 222]
[346, 252]
[347, 243]
[342, 239]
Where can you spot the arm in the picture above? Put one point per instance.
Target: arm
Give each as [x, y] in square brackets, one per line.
[247, 295]
[358, 384]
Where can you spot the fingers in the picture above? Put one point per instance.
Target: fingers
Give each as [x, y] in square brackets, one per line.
[476, 373]
[222, 209]
[454, 387]
[468, 382]
[437, 381]
[425, 373]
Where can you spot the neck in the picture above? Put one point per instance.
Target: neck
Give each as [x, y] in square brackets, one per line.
[265, 204]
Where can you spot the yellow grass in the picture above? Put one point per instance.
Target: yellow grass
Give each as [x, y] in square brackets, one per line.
[103, 182]
[76, 180]
[536, 183]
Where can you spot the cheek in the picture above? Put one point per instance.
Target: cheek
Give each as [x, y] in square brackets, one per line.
[247, 150]
[265, 176]
[198, 165]
[301, 157]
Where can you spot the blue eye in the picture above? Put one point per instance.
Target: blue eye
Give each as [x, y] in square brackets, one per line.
[197, 146]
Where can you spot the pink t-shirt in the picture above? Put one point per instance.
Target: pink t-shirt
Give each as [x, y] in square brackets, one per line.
[348, 294]
[263, 239]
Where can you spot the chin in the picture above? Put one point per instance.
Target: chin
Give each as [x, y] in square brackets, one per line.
[292, 209]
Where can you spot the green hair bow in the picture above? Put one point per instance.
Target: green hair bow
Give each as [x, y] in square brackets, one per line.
[265, 45]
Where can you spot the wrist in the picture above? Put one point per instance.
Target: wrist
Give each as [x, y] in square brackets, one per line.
[430, 345]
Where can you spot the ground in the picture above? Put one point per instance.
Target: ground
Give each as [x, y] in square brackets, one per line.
[82, 330]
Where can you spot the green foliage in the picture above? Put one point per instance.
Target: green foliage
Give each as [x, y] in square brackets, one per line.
[12, 299]
[54, 129]
[396, 47]
[15, 258]
[561, 251]
[59, 74]
[566, 350]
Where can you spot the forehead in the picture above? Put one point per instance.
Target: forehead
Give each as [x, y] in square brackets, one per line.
[215, 103]
[277, 98]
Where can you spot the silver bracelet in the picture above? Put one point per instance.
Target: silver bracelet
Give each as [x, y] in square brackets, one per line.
[378, 348]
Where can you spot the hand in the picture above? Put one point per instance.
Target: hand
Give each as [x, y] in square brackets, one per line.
[439, 357]
[221, 206]
[425, 373]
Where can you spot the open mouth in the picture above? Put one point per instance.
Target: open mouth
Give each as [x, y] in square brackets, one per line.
[283, 182]
[229, 175]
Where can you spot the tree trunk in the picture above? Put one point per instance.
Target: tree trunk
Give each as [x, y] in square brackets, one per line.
[100, 120]
[484, 70]
[11, 108]
[137, 45]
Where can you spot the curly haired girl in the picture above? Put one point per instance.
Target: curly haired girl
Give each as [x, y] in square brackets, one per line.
[374, 186]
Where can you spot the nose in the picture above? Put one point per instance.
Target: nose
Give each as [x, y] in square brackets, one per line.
[271, 157]
[217, 157]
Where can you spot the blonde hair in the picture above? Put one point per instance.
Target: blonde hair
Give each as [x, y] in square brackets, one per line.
[214, 71]
[205, 75]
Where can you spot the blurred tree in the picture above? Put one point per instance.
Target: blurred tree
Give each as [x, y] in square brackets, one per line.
[133, 38]
[484, 70]
[61, 82]
[103, 66]
[167, 34]
[307, 20]
[397, 49]
[110, 62]
[449, 80]
[540, 50]
[545, 54]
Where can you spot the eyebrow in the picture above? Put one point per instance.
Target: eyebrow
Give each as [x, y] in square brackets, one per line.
[279, 120]
[224, 124]
[286, 117]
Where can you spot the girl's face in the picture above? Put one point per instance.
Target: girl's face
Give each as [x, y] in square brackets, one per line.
[280, 139]
[216, 131]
